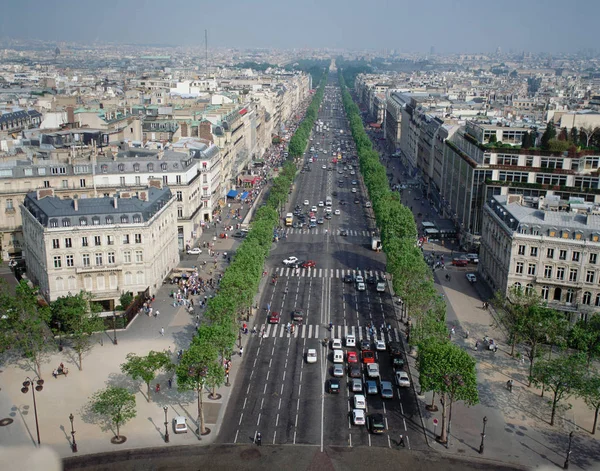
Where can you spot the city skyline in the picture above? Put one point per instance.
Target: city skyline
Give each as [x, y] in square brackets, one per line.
[446, 27]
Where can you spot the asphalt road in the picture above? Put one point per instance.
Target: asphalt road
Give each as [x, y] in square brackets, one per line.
[279, 394]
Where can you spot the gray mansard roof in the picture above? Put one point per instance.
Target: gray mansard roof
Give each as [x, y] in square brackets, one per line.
[51, 211]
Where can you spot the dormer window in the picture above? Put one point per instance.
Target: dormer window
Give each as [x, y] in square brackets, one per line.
[53, 223]
[66, 222]
[104, 168]
[124, 219]
[137, 218]
[121, 167]
[96, 221]
[163, 166]
[552, 232]
[83, 221]
[136, 167]
[595, 237]
[151, 167]
[109, 219]
[565, 234]
[578, 235]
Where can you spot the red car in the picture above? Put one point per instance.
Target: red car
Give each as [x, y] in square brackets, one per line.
[274, 318]
[352, 357]
[368, 356]
[309, 264]
[460, 262]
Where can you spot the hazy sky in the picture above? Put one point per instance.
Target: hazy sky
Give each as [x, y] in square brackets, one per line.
[415, 25]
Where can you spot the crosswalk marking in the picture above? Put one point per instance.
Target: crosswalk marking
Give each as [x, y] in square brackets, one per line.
[325, 273]
[316, 231]
[311, 331]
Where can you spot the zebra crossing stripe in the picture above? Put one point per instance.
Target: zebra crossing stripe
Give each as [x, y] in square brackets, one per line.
[296, 332]
[310, 328]
[303, 330]
[282, 331]
[316, 331]
[268, 329]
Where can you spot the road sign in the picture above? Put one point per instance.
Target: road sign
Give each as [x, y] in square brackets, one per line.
[435, 421]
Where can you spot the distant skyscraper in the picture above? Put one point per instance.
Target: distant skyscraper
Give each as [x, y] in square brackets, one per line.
[432, 50]
[498, 50]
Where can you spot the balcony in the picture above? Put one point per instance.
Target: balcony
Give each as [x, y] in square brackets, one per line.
[97, 268]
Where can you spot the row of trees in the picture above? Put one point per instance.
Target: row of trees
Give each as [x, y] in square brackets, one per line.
[444, 368]
[544, 331]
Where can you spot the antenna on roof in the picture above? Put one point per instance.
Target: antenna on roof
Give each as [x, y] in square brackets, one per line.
[206, 53]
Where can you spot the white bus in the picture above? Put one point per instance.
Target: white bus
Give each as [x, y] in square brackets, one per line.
[328, 201]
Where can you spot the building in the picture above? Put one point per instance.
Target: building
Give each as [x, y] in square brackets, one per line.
[16, 121]
[545, 247]
[106, 246]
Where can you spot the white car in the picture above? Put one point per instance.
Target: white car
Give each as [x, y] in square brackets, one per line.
[358, 417]
[306, 203]
[368, 204]
[352, 172]
[402, 379]
[321, 204]
[380, 345]
[359, 279]
[337, 212]
[314, 209]
[372, 370]
[360, 402]
[471, 277]
[311, 356]
[290, 260]
[328, 210]
[324, 166]
[361, 287]
[336, 344]
[350, 340]
[180, 425]
[194, 251]
[353, 190]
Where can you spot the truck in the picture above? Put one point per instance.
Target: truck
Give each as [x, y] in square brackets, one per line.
[376, 243]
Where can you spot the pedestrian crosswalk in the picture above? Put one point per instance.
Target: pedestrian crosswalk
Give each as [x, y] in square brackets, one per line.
[335, 232]
[326, 272]
[311, 331]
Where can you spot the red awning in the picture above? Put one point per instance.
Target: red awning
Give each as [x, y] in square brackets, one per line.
[375, 125]
[243, 111]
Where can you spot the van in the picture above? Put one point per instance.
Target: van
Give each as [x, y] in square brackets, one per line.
[338, 356]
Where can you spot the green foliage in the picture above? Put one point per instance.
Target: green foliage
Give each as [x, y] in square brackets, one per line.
[146, 367]
[585, 336]
[116, 405]
[589, 390]
[126, 299]
[557, 145]
[549, 134]
[493, 139]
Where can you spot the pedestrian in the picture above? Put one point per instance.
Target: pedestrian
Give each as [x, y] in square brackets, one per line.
[162, 331]
[258, 439]
[477, 345]
[157, 313]
[401, 441]
[452, 331]
[241, 351]
[467, 334]
[157, 389]
[170, 383]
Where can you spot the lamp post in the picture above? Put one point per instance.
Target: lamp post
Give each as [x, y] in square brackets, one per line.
[25, 389]
[566, 465]
[482, 436]
[166, 425]
[115, 327]
[60, 344]
[74, 444]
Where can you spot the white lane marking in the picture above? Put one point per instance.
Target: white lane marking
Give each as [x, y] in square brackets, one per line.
[262, 402]
[236, 435]
[350, 440]
[245, 400]
[258, 421]
[241, 417]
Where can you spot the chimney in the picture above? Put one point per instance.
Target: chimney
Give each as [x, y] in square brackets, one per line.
[75, 204]
[161, 154]
[115, 204]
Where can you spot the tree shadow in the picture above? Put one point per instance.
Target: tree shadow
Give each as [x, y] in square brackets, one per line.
[585, 451]
[89, 416]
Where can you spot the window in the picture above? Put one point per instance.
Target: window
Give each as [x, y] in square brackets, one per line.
[82, 182]
[53, 223]
[125, 238]
[104, 168]
[531, 269]
[550, 253]
[138, 238]
[573, 274]
[151, 167]
[124, 219]
[548, 271]
[179, 196]
[139, 256]
[46, 183]
[121, 168]
[82, 221]
[570, 295]
[179, 212]
[560, 273]
[178, 179]
[138, 181]
[57, 262]
[97, 240]
[98, 259]
[111, 258]
[545, 292]
[110, 240]
[109, 219]
[533, 252]
[95, 221]
[85, 259]
[136, 167]
[66, 222]
[529, 289]
[68, 243]
[521, 250]
[127, 257]
[587, 298]
[576, 256]
[593, 257]
[58, 170]
[42, 171]
[562, 255]
[84, 241]
[589, 276]
[163, 166]
[55, 243]
[598, 299]
[9, 204]
[122, 181]
[165, 179]
[70, 261]
[137, 218]
[519, 269]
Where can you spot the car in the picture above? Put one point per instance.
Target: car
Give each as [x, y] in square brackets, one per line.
[360, 279]
[373, 370]
[240, 234]
[352, 172]
[356, 385]
[296, 225]
[387, 391]
[380, 345]
[371, 387]
[376, 423]
[337, 212]
[321, 204]
[194, 251]
[460, 262]
[352, 357]
[306, 203]
[361, 286]
[314, 209]
[328, 209]
[392, 346]
[473, 257]
[340, 180]
[397, 362]
[365, 344]
[309, 264]
[290, 260]
[380, 286]
[353, 190]
[348, 278]
[402, 379]
[324, 167]
[354, 370]
[358, 417]
[180, 424]
[320, 221]
[350, 340]
[368, 204]
[311, 356]
[344, 233]
[335, 193]
[298, 316]
[274, 318]
[338, 370]
[312, 225]
[471, 277]
[328, 216]
[333, 386]
[336, 344]
[354, 182]
[360, 402]
[368, 356]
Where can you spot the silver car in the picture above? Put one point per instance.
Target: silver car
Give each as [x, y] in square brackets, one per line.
[356, 385]
[387, 391]
[338, 370]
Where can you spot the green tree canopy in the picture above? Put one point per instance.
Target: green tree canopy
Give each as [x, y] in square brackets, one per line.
[146, 367]
[116, 405]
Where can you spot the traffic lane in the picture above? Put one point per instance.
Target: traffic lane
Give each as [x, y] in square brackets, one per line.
[335, 411]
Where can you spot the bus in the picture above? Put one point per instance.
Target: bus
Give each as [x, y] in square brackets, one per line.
[328, 201]
[289, 219]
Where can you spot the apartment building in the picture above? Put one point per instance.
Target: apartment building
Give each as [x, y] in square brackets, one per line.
[393, 120]
[544, 246]
[107, 246]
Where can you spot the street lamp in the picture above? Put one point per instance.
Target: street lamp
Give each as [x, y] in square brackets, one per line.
[25, 389]
[115, 326]
[166, 425]
[60, 344]
[482, 436]
[566, 465]
[74, 444]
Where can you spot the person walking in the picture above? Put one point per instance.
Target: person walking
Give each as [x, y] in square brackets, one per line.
[241, 351]
[162, 331]
[401, 441]
[170, 382]
[258, 439]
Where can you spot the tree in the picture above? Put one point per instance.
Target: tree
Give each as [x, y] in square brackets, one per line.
[587, 132]
[589, 390]
[493, 139]
[549, 133]
[126, 299]
[526, 141]
[585, 336]
[562, 375]
[511, 310]
[574, 136]
[116, 405]
[24, 322]
[79, 320]
[146, 367]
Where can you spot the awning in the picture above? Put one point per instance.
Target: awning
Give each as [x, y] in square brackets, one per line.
[232, 194]
[244, 195]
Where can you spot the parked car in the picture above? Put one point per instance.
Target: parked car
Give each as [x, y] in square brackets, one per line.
[356, 385]
[360, 402]
[180, 424]
[373, 370]
[338, 370]
[194, 251]
[358, 417]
